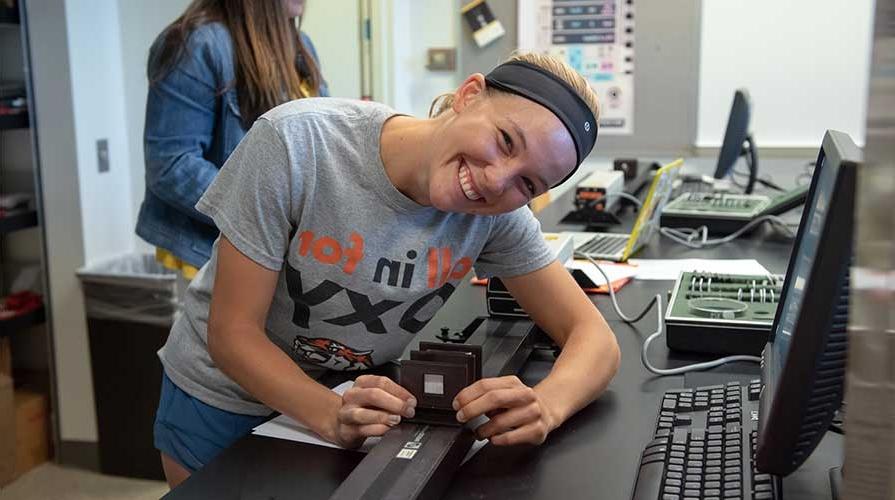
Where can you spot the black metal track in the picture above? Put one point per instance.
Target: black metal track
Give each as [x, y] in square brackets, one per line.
[418, 461]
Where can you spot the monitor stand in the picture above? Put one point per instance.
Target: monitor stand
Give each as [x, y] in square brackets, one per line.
[836, 483]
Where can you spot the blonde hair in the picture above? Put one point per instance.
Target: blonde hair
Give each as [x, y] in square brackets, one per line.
[559, 68]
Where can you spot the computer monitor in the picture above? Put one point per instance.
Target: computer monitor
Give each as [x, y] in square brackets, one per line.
[738, 141]
[803, 367]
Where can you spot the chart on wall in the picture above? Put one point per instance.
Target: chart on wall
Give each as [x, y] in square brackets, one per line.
[596, 37]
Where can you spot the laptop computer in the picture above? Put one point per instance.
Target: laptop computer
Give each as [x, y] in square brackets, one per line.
[618, 247]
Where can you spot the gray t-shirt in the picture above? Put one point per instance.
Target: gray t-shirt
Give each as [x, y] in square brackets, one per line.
[362, 268]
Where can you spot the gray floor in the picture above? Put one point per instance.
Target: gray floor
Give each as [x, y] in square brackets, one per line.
[63, 483]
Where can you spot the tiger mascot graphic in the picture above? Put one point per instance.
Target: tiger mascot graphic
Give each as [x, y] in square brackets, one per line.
[331, 354]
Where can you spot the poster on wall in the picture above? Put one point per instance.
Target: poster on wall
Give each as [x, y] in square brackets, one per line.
[596, 37]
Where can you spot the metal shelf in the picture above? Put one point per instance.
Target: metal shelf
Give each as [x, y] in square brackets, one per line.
[10, 326]
[14, 121]
[9, 17]
[16, 220]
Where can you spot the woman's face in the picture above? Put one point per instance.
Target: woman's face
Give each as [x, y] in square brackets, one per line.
[497, 152]
[294, 8]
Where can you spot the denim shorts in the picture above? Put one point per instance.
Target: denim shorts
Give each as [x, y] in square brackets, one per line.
[192, 432]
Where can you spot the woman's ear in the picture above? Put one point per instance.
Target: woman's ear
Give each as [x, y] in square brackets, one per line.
[471, 89]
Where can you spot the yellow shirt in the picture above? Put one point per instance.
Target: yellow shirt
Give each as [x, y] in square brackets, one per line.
[306, 90]
[170, 261]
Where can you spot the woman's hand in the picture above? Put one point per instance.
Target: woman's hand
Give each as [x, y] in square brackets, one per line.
[517, 412]
[373, 406]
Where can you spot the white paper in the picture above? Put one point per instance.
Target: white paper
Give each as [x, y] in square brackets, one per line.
[283, 427]
[669, 269]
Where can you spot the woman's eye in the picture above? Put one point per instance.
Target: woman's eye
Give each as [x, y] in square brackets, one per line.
[507, 140]
[529, 185]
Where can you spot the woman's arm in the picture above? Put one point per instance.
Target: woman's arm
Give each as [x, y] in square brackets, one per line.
[589, 359]
[239, 346]
[180, 120]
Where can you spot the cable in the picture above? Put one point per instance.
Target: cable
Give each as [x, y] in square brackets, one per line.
[633, 199]
[659, 329]
[750, 152]
[699, 237]
[623, 316]
[768, 183]
[764, 181]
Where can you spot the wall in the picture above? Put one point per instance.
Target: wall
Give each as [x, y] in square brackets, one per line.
[870, 380]
[805, 63]
[416, 27]
[87, 88]
[333, 27]
[666, 62]
[402, 31]
[53, 116]
[94, 45]
[141, 22]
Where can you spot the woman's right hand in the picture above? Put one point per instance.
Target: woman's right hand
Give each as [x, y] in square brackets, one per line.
[370, 408]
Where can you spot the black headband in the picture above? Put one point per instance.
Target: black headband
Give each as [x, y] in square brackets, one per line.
[548, 90]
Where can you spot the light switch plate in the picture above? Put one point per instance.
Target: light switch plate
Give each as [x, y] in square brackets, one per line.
[102, 155]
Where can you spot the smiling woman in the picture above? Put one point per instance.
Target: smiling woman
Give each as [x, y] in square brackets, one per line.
[345, 227]
[527, 125]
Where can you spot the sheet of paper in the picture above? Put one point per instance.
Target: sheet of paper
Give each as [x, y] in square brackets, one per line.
[283, 427]
[669, 269]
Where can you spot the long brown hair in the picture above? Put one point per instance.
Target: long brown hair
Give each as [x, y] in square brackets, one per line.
[270, 59]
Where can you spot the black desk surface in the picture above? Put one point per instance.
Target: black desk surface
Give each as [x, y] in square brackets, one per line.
[595, 454]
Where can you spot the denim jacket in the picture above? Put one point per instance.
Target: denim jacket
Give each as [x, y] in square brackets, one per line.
[191, 128]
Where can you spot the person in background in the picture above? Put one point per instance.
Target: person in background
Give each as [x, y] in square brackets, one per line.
[212, 73]
[345, 226]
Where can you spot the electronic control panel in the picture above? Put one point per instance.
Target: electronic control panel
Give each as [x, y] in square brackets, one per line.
[724, 212]
[722, 313]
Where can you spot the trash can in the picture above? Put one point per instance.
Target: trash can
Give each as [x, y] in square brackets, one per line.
[131, 302]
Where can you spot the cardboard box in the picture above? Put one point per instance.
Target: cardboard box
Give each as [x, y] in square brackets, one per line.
[7, 431]
[32, 430]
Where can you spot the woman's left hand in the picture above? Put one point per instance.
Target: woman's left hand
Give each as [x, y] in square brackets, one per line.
[517, 412]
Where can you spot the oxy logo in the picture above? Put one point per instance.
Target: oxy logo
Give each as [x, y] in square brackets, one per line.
[364, 310]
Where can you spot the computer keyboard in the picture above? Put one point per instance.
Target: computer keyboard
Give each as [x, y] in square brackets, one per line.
[604, 244]
[703, 447]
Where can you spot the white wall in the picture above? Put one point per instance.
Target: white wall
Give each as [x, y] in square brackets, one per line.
[403, 30]
[94, 44]
[54, 118]
[804, 62]
[140, 22]
[416, 27]
[88, 66]
[79, 98]
[333, 27]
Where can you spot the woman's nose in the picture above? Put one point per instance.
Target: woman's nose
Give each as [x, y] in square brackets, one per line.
[498, 178]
